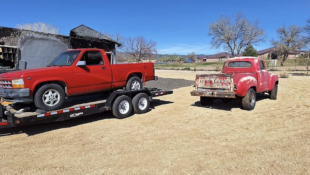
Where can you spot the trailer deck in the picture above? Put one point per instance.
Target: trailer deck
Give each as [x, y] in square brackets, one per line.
[12, 115]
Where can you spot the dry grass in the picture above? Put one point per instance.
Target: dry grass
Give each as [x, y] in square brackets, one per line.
[284, 75]
[181, 137]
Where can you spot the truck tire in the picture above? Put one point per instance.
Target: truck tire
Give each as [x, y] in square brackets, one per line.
[122, 107]
[49, 97]
[249, 100]
[141, 103]
[134, 83]
[206, 100]
[274, 92]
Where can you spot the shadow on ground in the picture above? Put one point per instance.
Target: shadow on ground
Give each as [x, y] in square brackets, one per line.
[228, 106]
[31, 130]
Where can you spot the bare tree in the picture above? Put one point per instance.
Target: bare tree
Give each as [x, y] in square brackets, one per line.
[307, 30]
[235, 34]
[290, 40]
[304, 60]
[192, 56]
[39, 27]
[139, 48]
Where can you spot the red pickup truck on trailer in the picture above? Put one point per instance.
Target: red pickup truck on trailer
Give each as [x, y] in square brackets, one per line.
[241, 77]
[74, 72]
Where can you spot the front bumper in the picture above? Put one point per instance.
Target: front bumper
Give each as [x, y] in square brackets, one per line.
[16, 95]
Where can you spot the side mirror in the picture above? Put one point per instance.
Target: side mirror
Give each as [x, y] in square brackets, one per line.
[81, 63]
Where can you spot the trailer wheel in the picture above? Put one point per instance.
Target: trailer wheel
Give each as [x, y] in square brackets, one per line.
[141, 103]
[49, 97]
[206, 100]
[122, 107]
[249, 100]
[134, 83]
[273, 93]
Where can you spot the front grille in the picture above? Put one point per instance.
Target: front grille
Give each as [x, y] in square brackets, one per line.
[5, 84]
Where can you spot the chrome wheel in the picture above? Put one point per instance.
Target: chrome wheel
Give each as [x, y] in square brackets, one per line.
[142, 104]
[123, 107]
[51, 97]
[135, 85]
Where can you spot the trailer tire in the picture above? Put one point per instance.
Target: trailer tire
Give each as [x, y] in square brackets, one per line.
[49, 97]
[273, 93]
[206, 100]
[122, 107]
[249, 100]
[134, 83]
[141, 103]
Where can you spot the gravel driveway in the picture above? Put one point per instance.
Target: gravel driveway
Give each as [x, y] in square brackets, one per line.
[169, 83]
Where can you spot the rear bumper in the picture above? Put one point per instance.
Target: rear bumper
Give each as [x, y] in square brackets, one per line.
[16, 95]
[214, 93]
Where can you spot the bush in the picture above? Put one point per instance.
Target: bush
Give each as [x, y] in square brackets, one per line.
[187, 68]
[284, 75]
[217, 69]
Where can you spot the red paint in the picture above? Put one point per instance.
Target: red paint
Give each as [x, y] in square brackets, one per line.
[71, 109]
[60, 112]
[84, 79]
[3, 123]
[244, 78]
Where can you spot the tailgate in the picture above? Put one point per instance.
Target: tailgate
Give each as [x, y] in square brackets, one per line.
[214, 85]
[214, 81]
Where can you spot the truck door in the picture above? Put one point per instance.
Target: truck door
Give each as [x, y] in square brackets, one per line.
[95, 76]
[263, 77]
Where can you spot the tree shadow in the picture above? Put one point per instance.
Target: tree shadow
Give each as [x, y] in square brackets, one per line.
[35, 129]
[228, 106]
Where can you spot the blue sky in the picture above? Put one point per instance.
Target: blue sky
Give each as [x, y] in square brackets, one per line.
[178, 26]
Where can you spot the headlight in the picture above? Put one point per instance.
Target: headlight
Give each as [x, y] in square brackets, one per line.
[18, 83]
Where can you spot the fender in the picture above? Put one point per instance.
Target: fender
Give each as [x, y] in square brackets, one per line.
[49, 79]
[135, 72]
[272, 81]
[245, 84]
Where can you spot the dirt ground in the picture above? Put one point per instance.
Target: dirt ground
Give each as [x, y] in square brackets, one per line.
[177, 136]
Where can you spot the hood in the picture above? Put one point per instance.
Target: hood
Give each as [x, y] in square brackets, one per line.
[28, 72]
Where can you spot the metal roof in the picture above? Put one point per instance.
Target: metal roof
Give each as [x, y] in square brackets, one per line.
[84, 31]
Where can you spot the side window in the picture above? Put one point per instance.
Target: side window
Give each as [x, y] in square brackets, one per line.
[261, 65]
[92, 58]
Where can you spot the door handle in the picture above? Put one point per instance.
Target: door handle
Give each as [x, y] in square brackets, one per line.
[103, 68]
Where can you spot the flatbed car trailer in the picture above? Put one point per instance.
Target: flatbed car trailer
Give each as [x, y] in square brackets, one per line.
[120, 102]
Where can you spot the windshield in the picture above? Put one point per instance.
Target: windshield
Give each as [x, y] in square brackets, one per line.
[65, 58]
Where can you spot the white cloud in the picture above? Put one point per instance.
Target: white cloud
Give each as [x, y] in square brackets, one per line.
[184, 49]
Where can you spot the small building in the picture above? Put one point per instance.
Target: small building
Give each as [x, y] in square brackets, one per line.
[24, 49]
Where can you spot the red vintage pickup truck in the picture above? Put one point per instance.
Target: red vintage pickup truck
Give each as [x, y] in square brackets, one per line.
[241, 77]
[74, 72]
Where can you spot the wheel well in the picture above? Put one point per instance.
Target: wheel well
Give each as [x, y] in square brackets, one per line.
[277, 82]
[138, 74]
[253, 87]
[60, 83]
